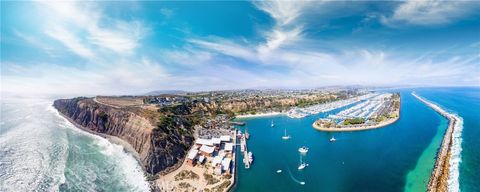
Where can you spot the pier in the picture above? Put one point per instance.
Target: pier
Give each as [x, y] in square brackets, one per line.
[244, 150]
[439, 177]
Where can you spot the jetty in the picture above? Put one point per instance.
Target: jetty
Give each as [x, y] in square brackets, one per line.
[439, 176]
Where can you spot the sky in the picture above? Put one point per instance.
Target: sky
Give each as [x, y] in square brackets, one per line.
[112, 47]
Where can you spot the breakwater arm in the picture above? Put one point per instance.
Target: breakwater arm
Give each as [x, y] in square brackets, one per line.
[439, 177]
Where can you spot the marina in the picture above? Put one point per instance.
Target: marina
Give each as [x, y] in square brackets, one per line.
[343, 161]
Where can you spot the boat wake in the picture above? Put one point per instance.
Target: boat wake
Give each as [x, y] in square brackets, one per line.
[294, 179]
[456, 157]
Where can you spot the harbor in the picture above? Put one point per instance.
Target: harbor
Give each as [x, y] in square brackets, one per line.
[338, 161]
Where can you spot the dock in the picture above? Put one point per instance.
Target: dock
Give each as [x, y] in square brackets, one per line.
[244, 149]
[237, 123]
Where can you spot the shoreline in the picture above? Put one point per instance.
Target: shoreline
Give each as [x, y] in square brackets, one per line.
[359, 128]
[112, 139]
[440, 174]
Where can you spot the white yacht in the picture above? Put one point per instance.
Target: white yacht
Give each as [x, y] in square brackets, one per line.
[303, 149]
[250, 157]
[333, 139]
[285, 136]
[302, 164]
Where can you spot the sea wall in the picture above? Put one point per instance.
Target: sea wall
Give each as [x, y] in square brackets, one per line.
[439, 177]
[157, 150]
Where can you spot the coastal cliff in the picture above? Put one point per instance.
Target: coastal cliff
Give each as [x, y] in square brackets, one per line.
[160, 140]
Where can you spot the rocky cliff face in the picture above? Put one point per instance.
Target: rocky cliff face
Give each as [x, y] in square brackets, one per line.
[160, 145]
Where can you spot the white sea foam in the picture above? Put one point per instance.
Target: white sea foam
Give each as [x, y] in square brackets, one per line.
[131, 170]
[455, 148]
[456, 156]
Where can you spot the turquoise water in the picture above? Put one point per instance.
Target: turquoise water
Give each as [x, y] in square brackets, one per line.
[372, 160]
[466, 103]
[41, 151]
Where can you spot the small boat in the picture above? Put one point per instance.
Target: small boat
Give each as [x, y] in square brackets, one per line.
[302, 182]
[279, 171]
[239, 134]
[273, 125]
[246, 134]
[302, 164]
[250, 157]
[303, 149]
[333, 139]
[285, 136]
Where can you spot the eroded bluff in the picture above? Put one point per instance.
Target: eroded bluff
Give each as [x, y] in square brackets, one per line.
[160, 138]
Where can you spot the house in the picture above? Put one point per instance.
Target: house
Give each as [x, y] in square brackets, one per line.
[192, 155]
[206, 150]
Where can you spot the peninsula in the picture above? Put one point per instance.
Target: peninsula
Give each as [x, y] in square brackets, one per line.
[375, 112]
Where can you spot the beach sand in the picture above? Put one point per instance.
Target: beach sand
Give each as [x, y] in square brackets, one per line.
[259, 115]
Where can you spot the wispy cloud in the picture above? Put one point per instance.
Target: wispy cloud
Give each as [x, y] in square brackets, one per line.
[429, 12]
[101, 31]
[70, 41]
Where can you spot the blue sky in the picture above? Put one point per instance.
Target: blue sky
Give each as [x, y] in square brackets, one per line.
[135, 47]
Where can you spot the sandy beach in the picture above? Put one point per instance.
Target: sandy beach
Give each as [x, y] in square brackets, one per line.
[259, 115]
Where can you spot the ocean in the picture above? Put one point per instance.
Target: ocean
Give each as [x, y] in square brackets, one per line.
[399, 157]
[41, 151]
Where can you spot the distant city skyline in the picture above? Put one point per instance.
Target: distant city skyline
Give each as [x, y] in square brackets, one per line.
[85, 48]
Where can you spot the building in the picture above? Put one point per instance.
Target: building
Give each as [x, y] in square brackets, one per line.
[225, 138]
[226, 165]
[207, 142]
[192, 155]
[216, 142]
[207, 151]
[228, 147]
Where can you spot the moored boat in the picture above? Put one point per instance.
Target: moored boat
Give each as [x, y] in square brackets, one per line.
[303, 149]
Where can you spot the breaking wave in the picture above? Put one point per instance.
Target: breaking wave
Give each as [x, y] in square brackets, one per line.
[456, 156]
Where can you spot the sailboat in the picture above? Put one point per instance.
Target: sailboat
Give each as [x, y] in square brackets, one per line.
[302, 164]
[273, 125]
[285, 136]
[246, 133]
